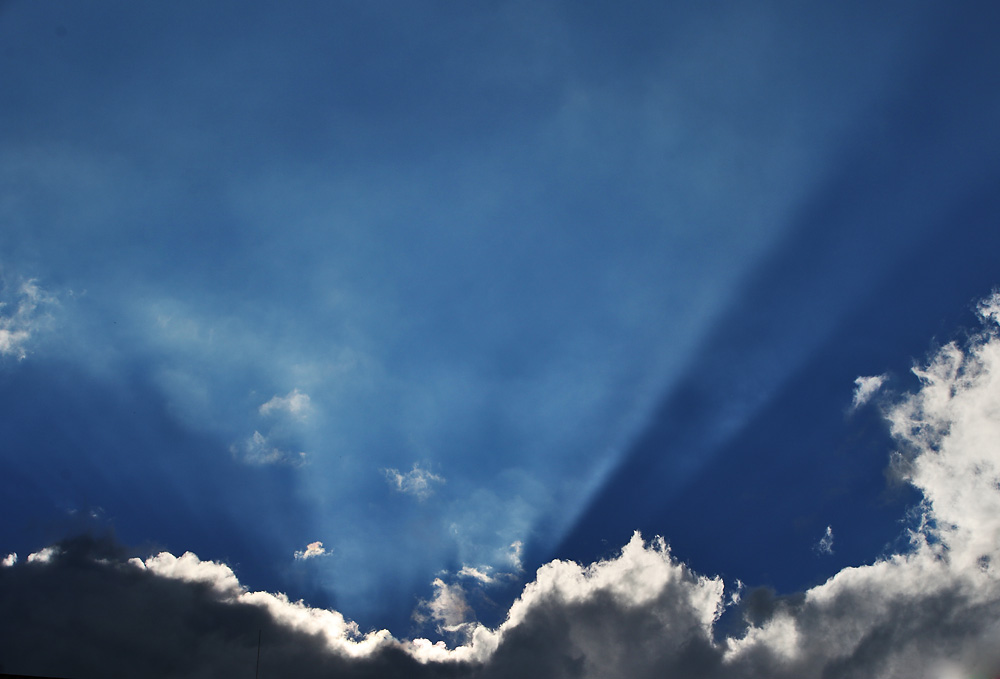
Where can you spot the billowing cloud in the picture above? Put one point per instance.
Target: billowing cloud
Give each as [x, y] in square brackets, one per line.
[312, 550]
[932, 610]
[417, 482]
[295, 404]
[258, 449]
[825, 544]
[9, 560]
[21, 316]
[865, 388]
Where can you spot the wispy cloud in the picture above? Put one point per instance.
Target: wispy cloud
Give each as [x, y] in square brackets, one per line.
[22, 314]
[481, 574]
[448, 607]
[312, 550]
[257, 449]
[825, 544]
[296, 404]
[417, 482]
[865, 388]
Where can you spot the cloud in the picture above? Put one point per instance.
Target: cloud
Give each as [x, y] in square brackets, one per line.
[43, 555]
[514, 555]
[295, 403]
[448, 607]
[312, 550]
[932, 610]
[865, 388]
[9, 560]
[417, 482]
[482, 574]
[21, 316]
[825, 544]
[257, 449]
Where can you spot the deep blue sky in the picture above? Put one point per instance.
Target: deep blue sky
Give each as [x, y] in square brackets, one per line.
[594, 267]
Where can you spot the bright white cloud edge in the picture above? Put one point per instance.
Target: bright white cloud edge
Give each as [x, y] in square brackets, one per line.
[932, 611]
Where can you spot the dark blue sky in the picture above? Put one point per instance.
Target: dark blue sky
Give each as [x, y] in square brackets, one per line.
[449, 285]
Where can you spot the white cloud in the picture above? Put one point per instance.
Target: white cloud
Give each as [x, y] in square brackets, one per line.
[9, 560]
[295, 404]
[514, 555]
[825, 544]
[339, 634]
[21, 316]
[43, 555]
[448, 607]
[865, 388]
[482, 574]
[257, 449]
[416, 482]
[312, 550]
[933, 610]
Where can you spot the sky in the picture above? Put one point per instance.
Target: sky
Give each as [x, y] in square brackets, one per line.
[563, 339]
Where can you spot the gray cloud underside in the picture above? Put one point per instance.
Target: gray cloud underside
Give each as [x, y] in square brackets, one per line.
[933, 611]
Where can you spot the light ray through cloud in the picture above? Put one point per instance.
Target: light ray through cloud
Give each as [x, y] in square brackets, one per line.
[478, 295]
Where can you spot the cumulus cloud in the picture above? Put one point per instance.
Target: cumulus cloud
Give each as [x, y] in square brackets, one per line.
[312, 550]
[9, 560]
[258, 449]
[22, 314]
[930, 611]
[825, 544]
[417, 482]
[865, 388]
[295, 404]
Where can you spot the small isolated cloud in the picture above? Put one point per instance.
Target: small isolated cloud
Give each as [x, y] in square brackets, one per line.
[825, 544]
[43, 555]
[312, 550]
[865, 388]
[295, 403]
[417, 482]
[259, 450]
[21, 316]
[9, 560]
